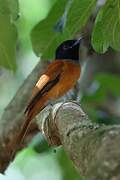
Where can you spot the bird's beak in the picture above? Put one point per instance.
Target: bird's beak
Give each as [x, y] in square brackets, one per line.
[78, 41]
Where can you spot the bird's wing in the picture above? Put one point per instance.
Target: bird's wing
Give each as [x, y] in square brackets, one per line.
[41, 93]
[53, 73]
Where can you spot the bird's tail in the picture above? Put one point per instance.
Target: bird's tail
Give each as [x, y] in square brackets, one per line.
[19, 139]
[33, 108]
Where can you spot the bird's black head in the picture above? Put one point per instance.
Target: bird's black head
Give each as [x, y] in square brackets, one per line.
[68, 50]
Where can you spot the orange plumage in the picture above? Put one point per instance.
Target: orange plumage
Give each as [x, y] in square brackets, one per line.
[59, 77]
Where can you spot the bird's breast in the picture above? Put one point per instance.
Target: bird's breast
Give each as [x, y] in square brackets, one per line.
[69, 76]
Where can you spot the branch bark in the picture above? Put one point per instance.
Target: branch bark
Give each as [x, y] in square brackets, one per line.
[94, 149]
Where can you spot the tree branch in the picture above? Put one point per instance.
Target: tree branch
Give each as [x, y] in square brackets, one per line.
[94, 149]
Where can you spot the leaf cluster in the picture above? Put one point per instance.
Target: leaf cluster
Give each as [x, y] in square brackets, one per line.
[64, 20]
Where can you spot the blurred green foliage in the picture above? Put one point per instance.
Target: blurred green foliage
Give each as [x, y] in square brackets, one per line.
[8, 33]
[106, 31]
[104, 85]
[66, 165]
[45, 39]
[64, 19]
[13, 8]
[9, 8]
[52, 163]
[104, 88]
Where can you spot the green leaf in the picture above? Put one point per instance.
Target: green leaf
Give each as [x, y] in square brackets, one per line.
[8, 38]
[44, 37]
[8, 13]
[106, 32]
[14, 8]
[9, 7]
[4, 9]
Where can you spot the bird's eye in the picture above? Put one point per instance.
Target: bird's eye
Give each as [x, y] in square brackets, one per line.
[66, 46]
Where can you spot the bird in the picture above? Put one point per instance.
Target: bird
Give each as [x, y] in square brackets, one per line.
[59, 77]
